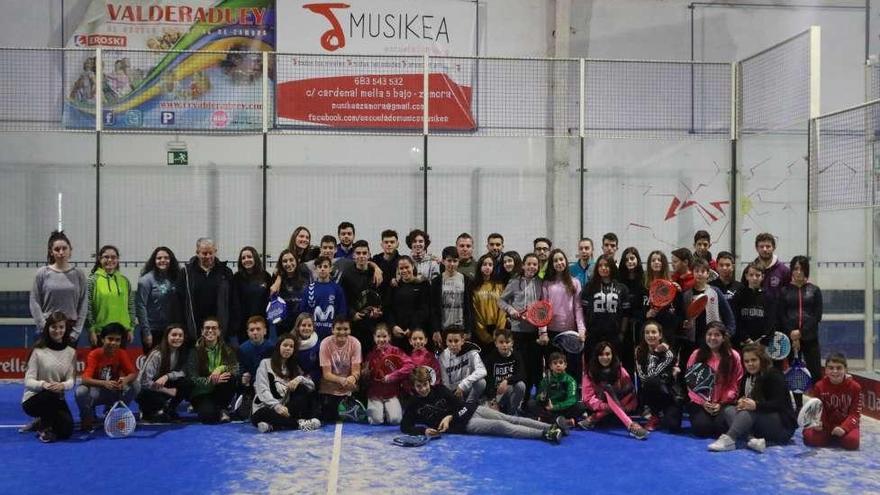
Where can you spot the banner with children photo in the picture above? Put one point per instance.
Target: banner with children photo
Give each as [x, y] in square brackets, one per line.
[170, 64]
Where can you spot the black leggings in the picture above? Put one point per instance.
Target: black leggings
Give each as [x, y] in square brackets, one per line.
[527, 345]
[706, 425]
[660, 399]
[209, 407]
[52, 410]
[153, 401]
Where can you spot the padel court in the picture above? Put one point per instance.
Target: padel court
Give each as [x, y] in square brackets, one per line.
[354, 458]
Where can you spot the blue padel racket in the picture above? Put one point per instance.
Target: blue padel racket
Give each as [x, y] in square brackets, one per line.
[798, 377]
[276, 310]
[412, 440]
[779, 346]
[569, 341]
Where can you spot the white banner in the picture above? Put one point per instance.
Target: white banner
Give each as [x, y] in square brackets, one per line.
[378, 83]
[378, 27]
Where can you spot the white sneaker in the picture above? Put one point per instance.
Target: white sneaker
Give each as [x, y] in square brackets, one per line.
[759, 445]
[309, 424]
[811, 413]
[723, 444]
[264, 427]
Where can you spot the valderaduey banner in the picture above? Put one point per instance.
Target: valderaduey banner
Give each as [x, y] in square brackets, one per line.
[160, 69]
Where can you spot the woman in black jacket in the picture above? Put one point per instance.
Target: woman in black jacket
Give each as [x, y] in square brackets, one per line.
[250, 291]
[800, 311]
[764, 411]
[407, 306]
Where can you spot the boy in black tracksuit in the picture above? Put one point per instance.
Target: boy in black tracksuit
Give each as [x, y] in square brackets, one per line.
[505, 374]
[434, 410]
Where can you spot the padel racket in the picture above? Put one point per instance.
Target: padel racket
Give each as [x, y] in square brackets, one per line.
[661, 293]
[569, 341]
[119, 421]
[385, 366]
[368, 300]
[700, 378]
[779, 346]
[539, 313]
[811, 413]
[697, 305]
[798, 377]
[412, 440]
[432, 374]
[276, 310]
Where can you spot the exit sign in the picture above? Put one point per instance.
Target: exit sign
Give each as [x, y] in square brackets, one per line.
[178, 158]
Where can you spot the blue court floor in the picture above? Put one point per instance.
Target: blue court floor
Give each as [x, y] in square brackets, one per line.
[234, 458]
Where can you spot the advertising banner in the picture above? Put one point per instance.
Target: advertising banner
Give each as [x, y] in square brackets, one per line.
[13, 361]
[162, 68]
[371, 72]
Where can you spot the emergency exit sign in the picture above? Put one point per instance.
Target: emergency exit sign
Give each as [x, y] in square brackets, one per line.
[178, 158]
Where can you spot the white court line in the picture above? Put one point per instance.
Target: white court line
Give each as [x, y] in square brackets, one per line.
[11, 426]
[333, 472]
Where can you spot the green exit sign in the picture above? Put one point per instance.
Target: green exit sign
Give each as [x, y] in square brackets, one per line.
[178, 158]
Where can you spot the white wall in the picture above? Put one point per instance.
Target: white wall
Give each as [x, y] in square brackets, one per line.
[475, 182]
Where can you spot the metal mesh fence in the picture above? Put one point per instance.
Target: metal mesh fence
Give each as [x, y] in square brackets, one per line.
[845, 159]
[773, 92]
[872, 81]
[31, 96]
[322, 183]
[641, 99]
[156, 90]
[504, 97]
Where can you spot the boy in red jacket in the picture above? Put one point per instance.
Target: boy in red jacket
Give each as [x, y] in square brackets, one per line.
[838, 402]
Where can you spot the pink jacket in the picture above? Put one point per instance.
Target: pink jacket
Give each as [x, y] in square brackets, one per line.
[726, 389]
[381, 390]
[567, 313]
[423, 357]
[593, 394]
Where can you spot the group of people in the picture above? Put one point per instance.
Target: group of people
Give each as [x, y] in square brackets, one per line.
[439, 344]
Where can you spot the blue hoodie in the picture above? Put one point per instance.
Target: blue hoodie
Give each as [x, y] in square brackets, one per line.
[324, 301]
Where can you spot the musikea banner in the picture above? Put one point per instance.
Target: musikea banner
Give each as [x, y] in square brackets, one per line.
[371, 73]
[160, 69]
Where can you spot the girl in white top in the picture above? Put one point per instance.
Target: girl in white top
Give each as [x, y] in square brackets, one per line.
[283, 400]
[50, 372]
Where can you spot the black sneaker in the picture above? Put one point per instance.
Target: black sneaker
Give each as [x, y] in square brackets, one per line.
[553, 434]
[562, 423]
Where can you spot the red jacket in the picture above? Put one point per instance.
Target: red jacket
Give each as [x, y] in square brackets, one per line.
[841, 404]
[387, 390]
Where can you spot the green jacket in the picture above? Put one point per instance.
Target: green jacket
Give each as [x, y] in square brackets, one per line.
[204, 360]
[560, 389]
[111, 300]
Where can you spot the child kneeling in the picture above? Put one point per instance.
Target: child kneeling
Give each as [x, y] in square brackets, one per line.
[836, 408]
[436, 410]
[383, 405]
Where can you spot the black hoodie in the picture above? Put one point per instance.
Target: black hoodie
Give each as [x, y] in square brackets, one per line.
[429, 411]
